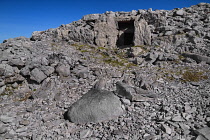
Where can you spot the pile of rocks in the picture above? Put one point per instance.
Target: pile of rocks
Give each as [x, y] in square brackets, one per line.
[52, 87]
[185, 29]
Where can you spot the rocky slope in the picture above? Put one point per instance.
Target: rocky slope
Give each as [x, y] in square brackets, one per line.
[162, 84]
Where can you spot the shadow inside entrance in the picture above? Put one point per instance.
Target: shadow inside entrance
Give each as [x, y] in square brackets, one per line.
[125, 34]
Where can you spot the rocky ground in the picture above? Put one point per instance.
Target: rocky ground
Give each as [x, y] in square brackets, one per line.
[33, 105]
[164, 92]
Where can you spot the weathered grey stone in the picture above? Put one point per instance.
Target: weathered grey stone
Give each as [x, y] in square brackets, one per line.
[15, 78]
[116, 74]
[15, 85]
[124, 90]
[145, 93]
[37, 75]
[166, 128]
[3, 129]
[95, 106]
[205, 132]
[140, 98]
[198, 58]
[106, 33]
[138, 61]
[36, 35]
[6, 119]
[91, 17]
[137, 50]
[85, 133]
[178, 118]
[195, 40]
[25, 71]
[63, 70]
[47, 70]
[2, 82]
[48, 117]
[200, 137]
[179, 12]
[133, 93]
[83, 74]
[6, 70]
[100, 84]
[168, 33]
[126, 101]
[17, 62]
[24, 122]
[142, 35]
[152, 57]
[22, 129]
[2, 89]
[171, 35]
[185, 128]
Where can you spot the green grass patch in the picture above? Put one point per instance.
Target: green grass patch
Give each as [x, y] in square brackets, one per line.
[193, 76]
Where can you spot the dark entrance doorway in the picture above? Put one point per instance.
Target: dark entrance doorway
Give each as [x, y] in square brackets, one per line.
[128, 38]
[125, 33]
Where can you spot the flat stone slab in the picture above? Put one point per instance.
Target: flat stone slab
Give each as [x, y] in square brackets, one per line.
[95, 106]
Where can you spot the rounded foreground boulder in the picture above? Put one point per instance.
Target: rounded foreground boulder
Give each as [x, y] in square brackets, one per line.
[95, 106]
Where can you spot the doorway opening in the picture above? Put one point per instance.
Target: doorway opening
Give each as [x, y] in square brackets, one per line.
[125, 33]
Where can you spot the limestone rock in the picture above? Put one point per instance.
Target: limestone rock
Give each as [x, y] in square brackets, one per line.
[15, 78]
[37, 75]
[3, 129]
[47, 70]
[142, 35]
[17, 62]
[25, 71]
[137, 51]
[91, 17]
[205, 132]
[2, 89]
[179, 12]
[133, 93]
[166, 129]
[100, 84]
[6, 119]
[63, 70]
[31, 91]
[95, 106]
[85, 133]
[200, 137]
[36, 35]
[178, 118]
[6, 70]
[125, 90]
[197, 57]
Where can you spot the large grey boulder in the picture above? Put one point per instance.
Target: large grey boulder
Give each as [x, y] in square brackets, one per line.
[95, 106]
[37, 75]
